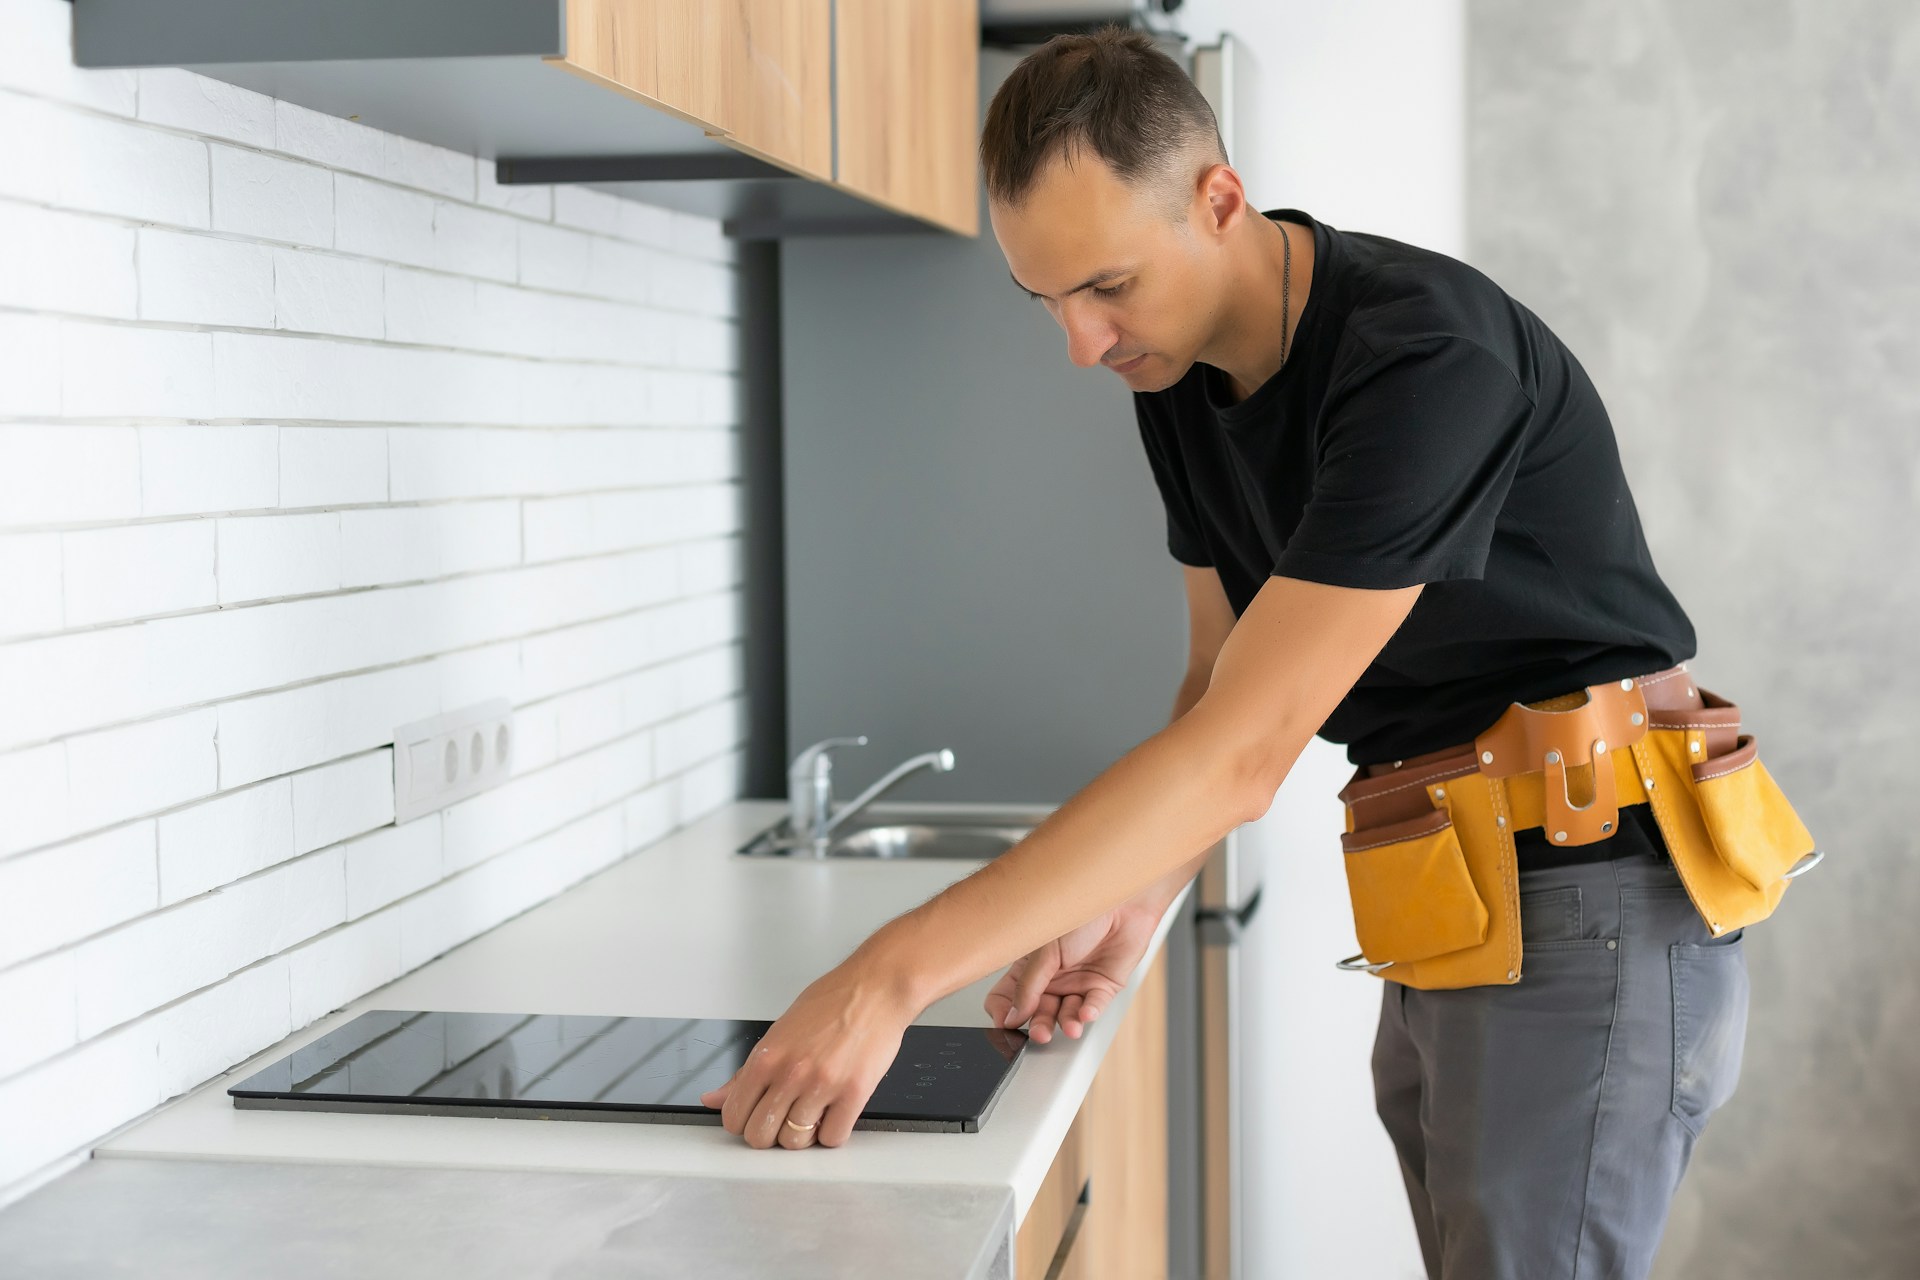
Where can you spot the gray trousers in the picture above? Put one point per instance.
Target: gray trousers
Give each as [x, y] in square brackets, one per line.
[1542, 1127]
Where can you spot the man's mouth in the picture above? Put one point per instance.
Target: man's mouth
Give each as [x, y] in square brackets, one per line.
[1130, 365]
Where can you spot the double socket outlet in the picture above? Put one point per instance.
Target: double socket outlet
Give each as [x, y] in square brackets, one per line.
[451, 756]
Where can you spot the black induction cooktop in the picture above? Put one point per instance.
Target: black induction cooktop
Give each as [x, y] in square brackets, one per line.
[541, 1066]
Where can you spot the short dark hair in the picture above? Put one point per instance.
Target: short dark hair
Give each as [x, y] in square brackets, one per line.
[1112, 93]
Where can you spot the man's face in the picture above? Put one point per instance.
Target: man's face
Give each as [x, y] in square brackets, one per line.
[1131, 281]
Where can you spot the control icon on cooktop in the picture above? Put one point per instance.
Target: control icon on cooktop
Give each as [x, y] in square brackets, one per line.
[542, 1066]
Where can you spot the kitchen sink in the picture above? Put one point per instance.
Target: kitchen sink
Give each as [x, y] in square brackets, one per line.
[920, 840]
[961, 831]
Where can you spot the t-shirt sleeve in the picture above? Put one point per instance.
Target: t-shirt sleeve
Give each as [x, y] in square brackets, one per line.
[1416, 454]
[1183, 518]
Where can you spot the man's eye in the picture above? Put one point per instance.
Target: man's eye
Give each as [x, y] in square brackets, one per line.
[1109, 292]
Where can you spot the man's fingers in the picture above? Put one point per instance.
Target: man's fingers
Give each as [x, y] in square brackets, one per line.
[1041, 966]
[743, 1099]
[1044, 1017]
[999, 1001]
[1070, 1015]
[806, 1109]
[764, 1126]
[836, 1124]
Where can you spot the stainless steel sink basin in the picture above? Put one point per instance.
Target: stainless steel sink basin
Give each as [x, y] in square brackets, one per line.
[919, 840]
[968, 832]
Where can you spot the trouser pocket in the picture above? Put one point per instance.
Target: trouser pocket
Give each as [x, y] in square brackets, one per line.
[1710, 997]
[1413, 898]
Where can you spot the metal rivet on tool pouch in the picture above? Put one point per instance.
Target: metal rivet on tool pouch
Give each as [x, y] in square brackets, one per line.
[1606, 826]
[1599, 746]
[1439, 793]
[1637, 717]
[1553, 757]
[1626, 684]
[1694, 747]
[1513, 975]
[1649, 782]
[1500, 820]
[1613, 944]
[1486, 757]
[1559, 835]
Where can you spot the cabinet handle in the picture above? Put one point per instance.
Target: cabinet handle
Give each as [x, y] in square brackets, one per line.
[1072, 1232]
[1222, 926]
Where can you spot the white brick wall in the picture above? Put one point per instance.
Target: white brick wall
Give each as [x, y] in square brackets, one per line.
[306, 432]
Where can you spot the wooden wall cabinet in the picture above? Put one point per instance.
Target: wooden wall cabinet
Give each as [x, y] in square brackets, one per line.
[909, 103]
[880, 98]
[756, 74]
[711, 107]
[1101, 1213]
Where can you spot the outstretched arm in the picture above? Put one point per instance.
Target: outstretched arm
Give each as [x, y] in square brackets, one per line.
[1280, 673]
[1285, 666]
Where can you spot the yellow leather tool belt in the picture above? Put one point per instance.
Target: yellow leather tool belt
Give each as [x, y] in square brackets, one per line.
[1429, 846]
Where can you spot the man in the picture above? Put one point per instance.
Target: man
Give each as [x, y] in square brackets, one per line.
[1399, 508]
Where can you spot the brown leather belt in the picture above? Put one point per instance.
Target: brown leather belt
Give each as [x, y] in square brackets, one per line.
[1561, 738]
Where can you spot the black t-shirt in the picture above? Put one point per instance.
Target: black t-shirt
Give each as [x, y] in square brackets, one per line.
[1426, 428]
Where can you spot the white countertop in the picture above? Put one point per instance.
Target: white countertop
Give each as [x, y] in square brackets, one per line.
[685, 928]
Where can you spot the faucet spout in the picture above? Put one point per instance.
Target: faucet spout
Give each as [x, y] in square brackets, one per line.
[939, 761]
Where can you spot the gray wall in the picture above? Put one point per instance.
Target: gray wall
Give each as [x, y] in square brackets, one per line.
[1718, 206]
[976, 555]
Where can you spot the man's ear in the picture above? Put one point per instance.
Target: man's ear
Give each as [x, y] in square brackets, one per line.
[1221, 197]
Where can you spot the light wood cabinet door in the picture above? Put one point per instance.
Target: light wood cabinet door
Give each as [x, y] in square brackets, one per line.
[1115, 1156]
[757, 74]
[783, 84]
[1055, 1220]
[879, 97]
[908, 106]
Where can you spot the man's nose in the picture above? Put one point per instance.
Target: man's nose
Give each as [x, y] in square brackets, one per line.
[1088, 338]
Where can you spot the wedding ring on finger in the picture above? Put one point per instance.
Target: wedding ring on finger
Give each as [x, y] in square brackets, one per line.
[804, 1130]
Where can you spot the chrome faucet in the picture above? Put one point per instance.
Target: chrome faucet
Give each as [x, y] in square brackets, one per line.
[810, 813]
[810, 785]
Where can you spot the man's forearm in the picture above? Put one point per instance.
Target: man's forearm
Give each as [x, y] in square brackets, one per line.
[1182, 789]
[1175, 794]
[1156, 896]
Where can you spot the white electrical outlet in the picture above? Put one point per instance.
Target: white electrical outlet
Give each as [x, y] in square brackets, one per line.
[451, 756]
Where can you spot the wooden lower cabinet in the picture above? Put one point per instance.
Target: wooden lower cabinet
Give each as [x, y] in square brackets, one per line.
[1101, 1213]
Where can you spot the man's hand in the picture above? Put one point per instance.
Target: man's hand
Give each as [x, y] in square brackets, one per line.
[819, 1062]
[1071, 979]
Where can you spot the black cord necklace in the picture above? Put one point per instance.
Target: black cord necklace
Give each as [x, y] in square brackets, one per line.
[1286, 282]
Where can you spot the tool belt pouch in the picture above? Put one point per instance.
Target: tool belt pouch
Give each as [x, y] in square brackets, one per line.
[1433, 890]
[1735, 839]
[1431, 867]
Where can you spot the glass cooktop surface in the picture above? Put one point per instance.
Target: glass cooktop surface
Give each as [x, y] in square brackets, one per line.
[580, 1067]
